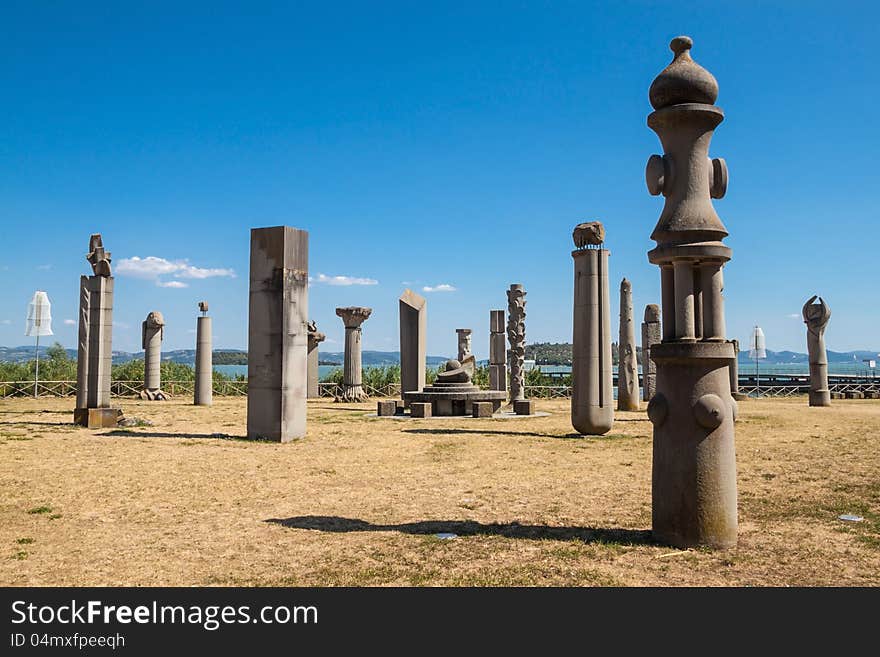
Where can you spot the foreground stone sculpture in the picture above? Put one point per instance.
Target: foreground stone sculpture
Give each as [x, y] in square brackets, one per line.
[516, 337]
[152, 332]
[592, 397]
[650, 337]
[203, 391]
[464, 343]
[94, 345]
[453, 393]
[497, 351]
[627, 360]
[413, 310]
[694, 466]
[816, 316]
[352, 381]
[315, 338]
[278, 314]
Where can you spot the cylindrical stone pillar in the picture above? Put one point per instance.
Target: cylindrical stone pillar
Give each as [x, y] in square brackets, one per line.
[667, 289]
[82, 356]
[352, 381]
[315, 338]
[592, 401]
[713, 305]
[516, 338]
[203, 392]
[684, 300]
[627, 362]
[152, 332]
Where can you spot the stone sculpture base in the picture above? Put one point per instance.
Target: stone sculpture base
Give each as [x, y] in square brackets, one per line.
[694, 463]
[386, 408]
[455, 399]
[354, 394]
[420, 409]
[154, 395]
[97, 418]
[524, 407]
[820, 398]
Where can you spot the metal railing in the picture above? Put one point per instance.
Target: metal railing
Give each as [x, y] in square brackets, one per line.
[10, 389]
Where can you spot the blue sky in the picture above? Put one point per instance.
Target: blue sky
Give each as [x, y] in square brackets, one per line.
[422, 145]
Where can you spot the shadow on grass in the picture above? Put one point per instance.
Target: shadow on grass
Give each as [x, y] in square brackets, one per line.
[498, 432]
[39, 424]
[158, 434]
[336, 524]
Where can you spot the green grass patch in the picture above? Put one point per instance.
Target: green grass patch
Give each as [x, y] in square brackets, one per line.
[40, 509]
[24, 541]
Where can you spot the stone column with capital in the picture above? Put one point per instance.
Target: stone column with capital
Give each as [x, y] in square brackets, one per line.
[152, 332]
[315, 338]
[694, 494]
[816, 316]
[352, 382]
[203, 390]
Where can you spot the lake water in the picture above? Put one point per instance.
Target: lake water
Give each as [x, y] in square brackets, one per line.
[236, 370]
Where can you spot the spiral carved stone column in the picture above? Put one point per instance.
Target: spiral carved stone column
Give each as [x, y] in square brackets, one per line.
[694, 497]
[516, 337]
[352, 381]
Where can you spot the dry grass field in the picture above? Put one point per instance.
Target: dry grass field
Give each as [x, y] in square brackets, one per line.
[360, 500]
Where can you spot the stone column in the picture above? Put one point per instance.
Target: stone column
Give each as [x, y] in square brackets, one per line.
[413, 310]
[95, 348]
[464, 343]
[650, 337]
[816, 316]
[734, 373]
[497, 351]
[152, 332]
[516, 338]
[315, 338]
[352, 383]
[203, 391]
[694, 497]
[627, 361]
[278, 313]
[592, 398]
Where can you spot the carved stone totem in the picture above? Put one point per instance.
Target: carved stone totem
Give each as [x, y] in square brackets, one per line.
[592, 395]
[516, 338]
[315, 338]
[95, 348]
[694, 465]
[203, 391]
[650, 337]
[816, 316]
[352, 381]
[152, 332]
[627, 360]
[497, 351]
[413, 309]
[464, 343]
[278, 313]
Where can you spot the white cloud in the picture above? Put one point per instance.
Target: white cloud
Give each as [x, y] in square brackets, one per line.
[152, 268]
[793, 316]
[443, 287]
[70, 322]
[44, 267]
[342, 280]
[120, 325]
[5, 321]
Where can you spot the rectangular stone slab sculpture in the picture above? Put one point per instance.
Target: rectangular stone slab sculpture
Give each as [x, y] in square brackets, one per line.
[497, 351]
[95, 344]
[278, 334]
[650, 337]
[413, 341]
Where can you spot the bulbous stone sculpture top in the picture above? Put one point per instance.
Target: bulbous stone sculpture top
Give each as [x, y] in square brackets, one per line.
[652, 312]
[816, 315]
[590, 233]
[683, 81]
[155, 320]
[353, 316]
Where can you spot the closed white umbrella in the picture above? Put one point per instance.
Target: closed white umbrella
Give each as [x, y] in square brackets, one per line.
[39, 323]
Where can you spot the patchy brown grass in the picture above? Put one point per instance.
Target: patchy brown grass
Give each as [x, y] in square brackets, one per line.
[359, 500]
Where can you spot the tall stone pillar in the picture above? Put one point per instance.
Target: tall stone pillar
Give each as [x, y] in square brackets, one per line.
[627, 361]
[95, 348]
[464, 343]
[497, 351]
[694, 466]
[516, 338]
[413, 310]
[203, 391]
[352, 381]
[278, 314]
[592, 395]
[650, 337]
[152, 332]
[315, 338]
[816, 316]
